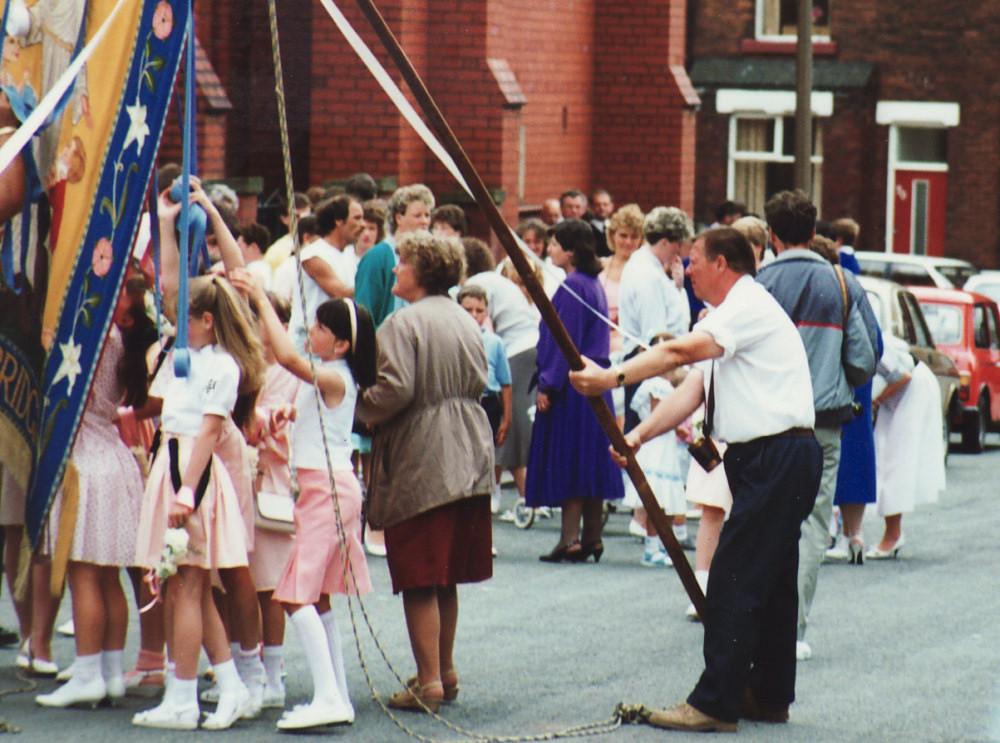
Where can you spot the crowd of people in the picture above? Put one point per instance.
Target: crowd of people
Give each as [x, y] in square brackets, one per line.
[390, 372]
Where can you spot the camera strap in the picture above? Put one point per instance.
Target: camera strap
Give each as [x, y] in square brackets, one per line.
[710, 405]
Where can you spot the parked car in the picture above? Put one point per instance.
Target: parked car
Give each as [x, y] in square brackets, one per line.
[985, 282]
[965, 326]
[916, 270]
[899, 313]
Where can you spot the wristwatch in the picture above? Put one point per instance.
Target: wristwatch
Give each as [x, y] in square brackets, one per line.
[619, 376]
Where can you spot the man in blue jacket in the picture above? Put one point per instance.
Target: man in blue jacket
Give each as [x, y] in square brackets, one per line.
[842, 355]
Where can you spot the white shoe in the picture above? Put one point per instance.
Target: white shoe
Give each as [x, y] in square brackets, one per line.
[67, 673]
[41, 667]
[67, 629]
[75, 692]
[543, 512]
[636, 529]
[210, 695]
[893, 552]
[169, 716]
[231, 708]
[24, 656]
[692, 614]
[508, 516]
[274, 697]
[375, 550]
[256, 691]
[116, 687]
[655, 559]
[840, 551]
[317, 714]
[802, 650]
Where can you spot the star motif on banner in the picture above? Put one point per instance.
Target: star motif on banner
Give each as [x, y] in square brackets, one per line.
[70, 368]
[138, 129]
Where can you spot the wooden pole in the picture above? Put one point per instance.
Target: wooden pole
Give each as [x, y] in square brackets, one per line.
[605, 417]
[803, 98]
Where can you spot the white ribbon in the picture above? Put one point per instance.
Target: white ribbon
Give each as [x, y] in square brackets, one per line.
[36, 120]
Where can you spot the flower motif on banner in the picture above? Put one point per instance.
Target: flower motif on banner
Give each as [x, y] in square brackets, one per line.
[125, 166]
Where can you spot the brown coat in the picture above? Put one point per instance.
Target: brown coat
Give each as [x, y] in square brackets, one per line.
[432, 443]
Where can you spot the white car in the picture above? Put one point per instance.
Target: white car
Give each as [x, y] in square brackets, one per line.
[985, 282]
[916, 270]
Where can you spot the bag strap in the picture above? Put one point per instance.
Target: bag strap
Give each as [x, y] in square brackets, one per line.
[710, 405]
[843, 294]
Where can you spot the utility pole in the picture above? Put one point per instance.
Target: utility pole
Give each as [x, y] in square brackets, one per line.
[803, 98]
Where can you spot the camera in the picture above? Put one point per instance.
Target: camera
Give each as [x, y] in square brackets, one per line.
[705, 453]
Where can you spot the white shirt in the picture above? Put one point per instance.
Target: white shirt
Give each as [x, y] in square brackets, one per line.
[762, 382]
[343, 263]
[261, 273]
[210, 388]
[649, 302]
[307, 439]
[514, 319]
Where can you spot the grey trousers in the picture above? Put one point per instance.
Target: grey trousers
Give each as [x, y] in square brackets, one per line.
[815, 536]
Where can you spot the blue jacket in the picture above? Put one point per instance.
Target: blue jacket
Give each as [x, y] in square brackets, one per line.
[806, 286]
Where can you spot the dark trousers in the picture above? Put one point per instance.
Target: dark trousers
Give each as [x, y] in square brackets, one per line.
[493, 405]
[752, 599]
[631, 417]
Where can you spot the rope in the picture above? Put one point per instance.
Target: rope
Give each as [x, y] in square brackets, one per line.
[588, 729]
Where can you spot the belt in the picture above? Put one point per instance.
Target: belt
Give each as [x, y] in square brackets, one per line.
[797, 433]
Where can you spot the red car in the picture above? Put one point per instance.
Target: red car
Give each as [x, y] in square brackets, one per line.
[966, 326]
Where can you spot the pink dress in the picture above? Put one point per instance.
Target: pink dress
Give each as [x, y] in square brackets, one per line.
[110, 481]
[611, 289]
[272, 549]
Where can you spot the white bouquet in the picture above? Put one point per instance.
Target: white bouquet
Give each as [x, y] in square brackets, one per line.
[175, 544]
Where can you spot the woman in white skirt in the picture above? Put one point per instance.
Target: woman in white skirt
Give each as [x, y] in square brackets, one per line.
[909, 449]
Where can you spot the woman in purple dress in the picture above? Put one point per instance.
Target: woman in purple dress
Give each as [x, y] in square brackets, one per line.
[568, 464]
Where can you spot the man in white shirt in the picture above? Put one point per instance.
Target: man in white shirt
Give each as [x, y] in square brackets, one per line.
[328, 263]
[755, 378]
[649, 300]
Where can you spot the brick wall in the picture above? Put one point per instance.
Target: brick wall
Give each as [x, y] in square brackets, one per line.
[602, 107]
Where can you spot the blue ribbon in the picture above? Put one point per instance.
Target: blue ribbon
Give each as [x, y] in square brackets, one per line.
[182, 357]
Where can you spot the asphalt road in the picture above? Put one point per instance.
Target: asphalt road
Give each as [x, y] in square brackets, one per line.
[905, 650]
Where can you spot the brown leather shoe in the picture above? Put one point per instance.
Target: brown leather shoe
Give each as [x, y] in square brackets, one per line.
[753, 710]
[686, 717]
[426, 698]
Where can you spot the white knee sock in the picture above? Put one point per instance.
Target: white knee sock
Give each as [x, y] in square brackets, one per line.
[312, 635]
[681, 531]
[87, 667]
[112, 663]
[702, 577]
[274, 662]
[336, 652]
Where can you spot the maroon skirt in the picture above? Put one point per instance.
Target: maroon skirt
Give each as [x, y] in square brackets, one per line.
[445, 546]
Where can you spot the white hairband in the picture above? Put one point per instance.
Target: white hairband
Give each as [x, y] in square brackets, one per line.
[353, 311]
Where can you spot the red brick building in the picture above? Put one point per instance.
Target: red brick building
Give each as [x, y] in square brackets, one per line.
[545, 95]
[906, 107]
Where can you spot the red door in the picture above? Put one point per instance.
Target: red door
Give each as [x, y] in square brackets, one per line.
[920, 202]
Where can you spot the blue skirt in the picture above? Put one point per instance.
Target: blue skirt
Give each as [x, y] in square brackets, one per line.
[569, 455]
[856, 475]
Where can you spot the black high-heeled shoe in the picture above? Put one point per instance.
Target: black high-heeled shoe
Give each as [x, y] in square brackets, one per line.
[563, 553]
[587, 549]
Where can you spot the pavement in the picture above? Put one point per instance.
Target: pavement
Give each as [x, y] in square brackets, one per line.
[904, 650]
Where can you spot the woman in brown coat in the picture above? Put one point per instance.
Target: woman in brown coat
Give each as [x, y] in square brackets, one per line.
[432, 458]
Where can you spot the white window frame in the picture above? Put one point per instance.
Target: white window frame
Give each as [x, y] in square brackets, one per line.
[759, 26]
[774, 156]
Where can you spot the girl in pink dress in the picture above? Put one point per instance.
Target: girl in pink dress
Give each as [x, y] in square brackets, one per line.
[190, 488]
[325, 560]
[108, 488]
[272, 549]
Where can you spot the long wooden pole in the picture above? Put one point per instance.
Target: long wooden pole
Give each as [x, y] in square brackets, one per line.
[483, 197]
[803, 98]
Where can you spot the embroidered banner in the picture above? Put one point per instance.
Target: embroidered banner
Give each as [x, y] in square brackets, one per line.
[99, 162]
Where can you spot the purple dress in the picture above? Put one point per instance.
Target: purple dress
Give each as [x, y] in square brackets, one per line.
[569, 455]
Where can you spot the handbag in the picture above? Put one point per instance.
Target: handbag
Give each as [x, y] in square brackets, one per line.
[274, 512]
